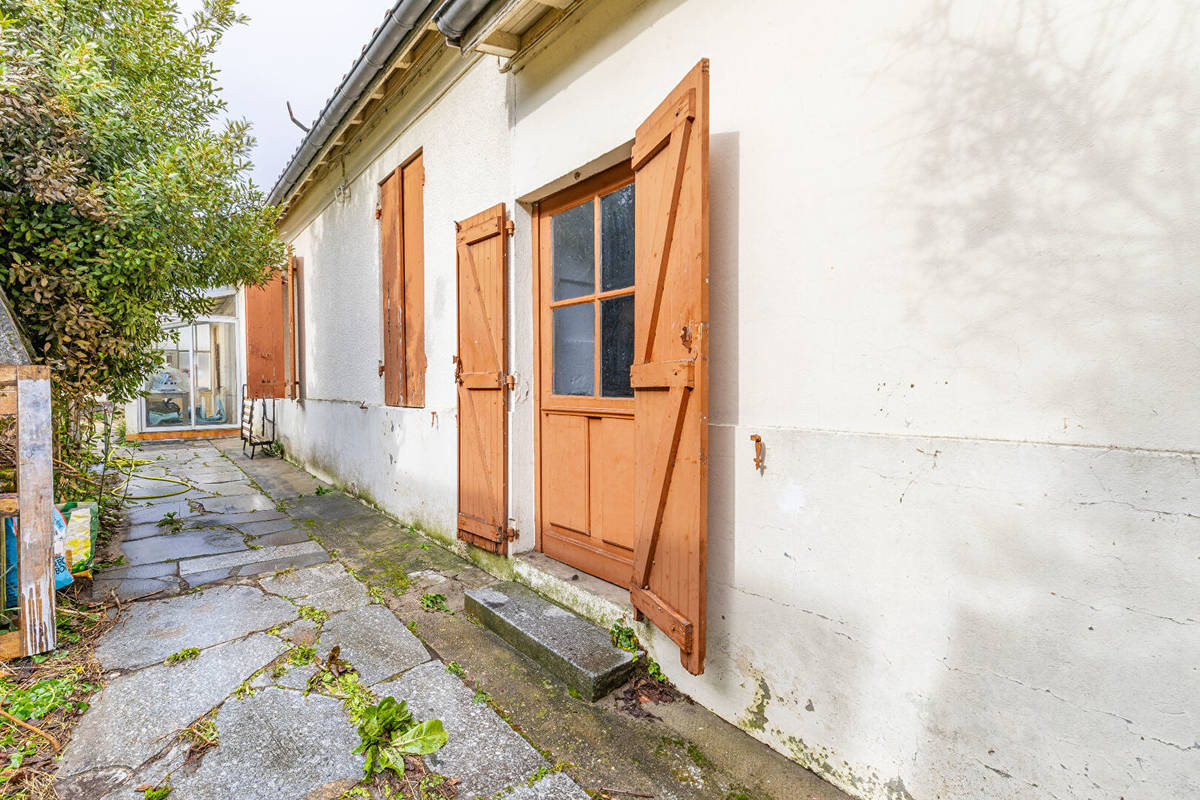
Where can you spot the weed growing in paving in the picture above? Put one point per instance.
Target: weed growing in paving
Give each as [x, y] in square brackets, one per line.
[482, 697]
[157, 792]
[243, 690]
[186, 654]
[388, 732]
[172, 522]
[434, 602]
[203, 735]
[316, 615]
[116, 562]
[323, 490]
[623, 637]
[412, 626]
[456, 669]
[299, 656]
[376, 595]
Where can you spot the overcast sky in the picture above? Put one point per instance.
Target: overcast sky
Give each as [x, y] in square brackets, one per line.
[293, 50]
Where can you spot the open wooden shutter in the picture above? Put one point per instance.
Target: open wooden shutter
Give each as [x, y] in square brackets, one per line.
[296, 326]
[413, 212]
[670, 370]
[391, 201]
[266, 354]
[481, 368]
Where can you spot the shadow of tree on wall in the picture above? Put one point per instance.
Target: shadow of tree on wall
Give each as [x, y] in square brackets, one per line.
[1055, 187]
[1055, 198]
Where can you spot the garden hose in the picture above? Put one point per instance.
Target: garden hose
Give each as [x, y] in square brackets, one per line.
[134, 463]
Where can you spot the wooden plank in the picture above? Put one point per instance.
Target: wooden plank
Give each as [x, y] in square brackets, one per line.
[11, 646]
[413, 210]
[482, 380]
[35, 541]
[663, 374]
[479, 528]
[8, 403]
[500, 43]
[291, 326]
[668, 620]
[9, 504]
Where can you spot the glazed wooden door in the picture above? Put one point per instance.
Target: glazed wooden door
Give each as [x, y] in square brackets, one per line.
[585, 301]
[670, 370]
[481, 372]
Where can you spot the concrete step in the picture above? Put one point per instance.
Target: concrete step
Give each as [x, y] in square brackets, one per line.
[569, 647]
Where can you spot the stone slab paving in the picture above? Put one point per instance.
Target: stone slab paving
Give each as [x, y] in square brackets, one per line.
[484, 753]
[172, 547]
[151, 631]
[126, 726]
[374, 641]
[251, 766]
[279, 740]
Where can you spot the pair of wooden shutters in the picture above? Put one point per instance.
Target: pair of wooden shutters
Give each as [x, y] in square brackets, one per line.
[402, 219]
[275, 335]
[669, 375]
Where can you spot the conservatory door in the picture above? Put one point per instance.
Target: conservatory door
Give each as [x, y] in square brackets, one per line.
[195, 387]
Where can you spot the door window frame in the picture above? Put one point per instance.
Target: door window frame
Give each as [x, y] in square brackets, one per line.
[545, 401]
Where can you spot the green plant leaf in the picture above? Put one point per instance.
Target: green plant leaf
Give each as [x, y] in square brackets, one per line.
[421, 740]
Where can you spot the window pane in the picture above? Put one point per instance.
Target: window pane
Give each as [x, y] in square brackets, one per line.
[616, 239]
[574, 349]
[616, 320]
[574, 252]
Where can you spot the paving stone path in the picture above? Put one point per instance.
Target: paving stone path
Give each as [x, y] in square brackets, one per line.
[224, 568]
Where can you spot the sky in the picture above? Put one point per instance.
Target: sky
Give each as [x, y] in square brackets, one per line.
[293, 50]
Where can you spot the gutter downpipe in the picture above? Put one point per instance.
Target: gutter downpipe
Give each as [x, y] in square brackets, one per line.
[397, 22]
[455, 16]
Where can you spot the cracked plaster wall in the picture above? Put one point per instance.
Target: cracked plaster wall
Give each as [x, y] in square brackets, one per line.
[954, 290]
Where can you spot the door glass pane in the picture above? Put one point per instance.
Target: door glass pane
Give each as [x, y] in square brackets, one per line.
[169, 387]
[216, 372]
[574, 252]
[616, 239]
[616, 321]
[574, 349]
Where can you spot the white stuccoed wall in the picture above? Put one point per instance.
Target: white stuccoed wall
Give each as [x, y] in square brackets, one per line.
[954, 289]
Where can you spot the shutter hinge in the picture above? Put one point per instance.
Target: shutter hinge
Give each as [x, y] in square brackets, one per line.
[510, 381]
[378, 210]
[510, 227]
[511, 534]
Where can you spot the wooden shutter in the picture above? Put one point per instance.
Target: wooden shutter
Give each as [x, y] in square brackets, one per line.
[266, 354]
[296, 325]
[481, 374]
[413, 233]
[670, 369]
[390, 202]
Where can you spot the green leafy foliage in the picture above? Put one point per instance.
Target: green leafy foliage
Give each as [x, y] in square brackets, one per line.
[322, 490]
[388, 732]
[623, 636]
[313, 614]
[186, 654]
[456, 669]
[434, 602]
[123, 200]
[158, 792]
[44, 697]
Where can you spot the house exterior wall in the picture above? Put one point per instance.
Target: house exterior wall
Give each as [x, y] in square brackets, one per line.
[953, 290]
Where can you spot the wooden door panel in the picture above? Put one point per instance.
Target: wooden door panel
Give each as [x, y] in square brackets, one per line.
[612, 470]
[670, 369]
[565, 459]
[481, 369]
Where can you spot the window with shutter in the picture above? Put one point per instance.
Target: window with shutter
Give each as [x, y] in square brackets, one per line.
[669, 375]
[402, 238]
